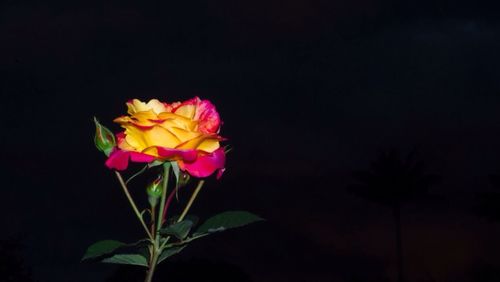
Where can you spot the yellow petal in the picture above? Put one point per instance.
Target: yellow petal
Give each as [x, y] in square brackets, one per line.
[174, 120]
[159, 136]
[140, 118]
[203, 142]
[153, 151]
[122, 119]
[144, 118]
[135, 137]
[186, 111]
[209, 145]
[145, 115]
[137, 106]
[124, 145]
[182, 134]
[156, 106]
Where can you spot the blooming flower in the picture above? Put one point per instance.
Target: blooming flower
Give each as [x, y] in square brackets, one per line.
[186, 132]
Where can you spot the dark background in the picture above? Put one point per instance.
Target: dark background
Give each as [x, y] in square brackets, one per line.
[309, 91]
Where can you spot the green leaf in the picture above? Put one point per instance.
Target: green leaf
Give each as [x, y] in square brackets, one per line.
[179, 229]
[140, 243]
[227, 220]
[155, 163]
[136, 174]
[227, 149]
[181, 178]
[193, 218]
[177, 171]
[170, 252]
[101, 248]
[134, 259]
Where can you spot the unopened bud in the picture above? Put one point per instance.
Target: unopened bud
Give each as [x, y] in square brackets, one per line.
[104, 138]
[155, 190]
[183, 179]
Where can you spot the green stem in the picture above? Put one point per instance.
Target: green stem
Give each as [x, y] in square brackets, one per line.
[191, 200]
[155, 250]
[152, 264]
[186, 209]
[153, 222]
[166, 174]
[169, 201]
[131, 201]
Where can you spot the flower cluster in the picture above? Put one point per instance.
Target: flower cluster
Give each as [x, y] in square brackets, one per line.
[186, 132]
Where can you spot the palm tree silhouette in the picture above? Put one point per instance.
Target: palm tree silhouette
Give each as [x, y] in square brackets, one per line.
[392, 181]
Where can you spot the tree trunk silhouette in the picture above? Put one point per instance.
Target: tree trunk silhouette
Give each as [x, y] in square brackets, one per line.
[393, 180]
[399, 244]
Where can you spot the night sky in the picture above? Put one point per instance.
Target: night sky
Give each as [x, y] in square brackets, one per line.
[310, 92]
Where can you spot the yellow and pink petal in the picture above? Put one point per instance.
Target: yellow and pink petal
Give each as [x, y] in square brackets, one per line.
[202, 111]
[208, 118]
[206, 164]
[175, 154]
[135, 106]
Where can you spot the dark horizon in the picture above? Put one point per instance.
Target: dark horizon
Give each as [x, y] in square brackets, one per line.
[309, 91]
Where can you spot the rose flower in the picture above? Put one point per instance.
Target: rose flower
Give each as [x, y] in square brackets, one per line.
[185, 132]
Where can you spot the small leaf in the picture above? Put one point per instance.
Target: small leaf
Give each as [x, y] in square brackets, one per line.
[136, 174]
[170, 252]
[177, 171]
[227, 220]
[140, 243]
[181, 177]
[179, 229]
[193, 218]
[167, 165]
[227, 149]
[134, 259]
[155, 163]
[101, 248]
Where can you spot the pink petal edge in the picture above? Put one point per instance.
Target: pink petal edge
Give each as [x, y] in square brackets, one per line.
[206, 165]
[187, 156]
[119, 159]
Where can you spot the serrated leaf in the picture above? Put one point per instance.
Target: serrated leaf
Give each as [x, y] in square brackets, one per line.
[133, 259]
[170, 252]
[101, 248]
[180, 229]
[227, 220]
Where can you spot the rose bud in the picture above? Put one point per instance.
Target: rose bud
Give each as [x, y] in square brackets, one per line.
[104, 138]
[154, 190]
